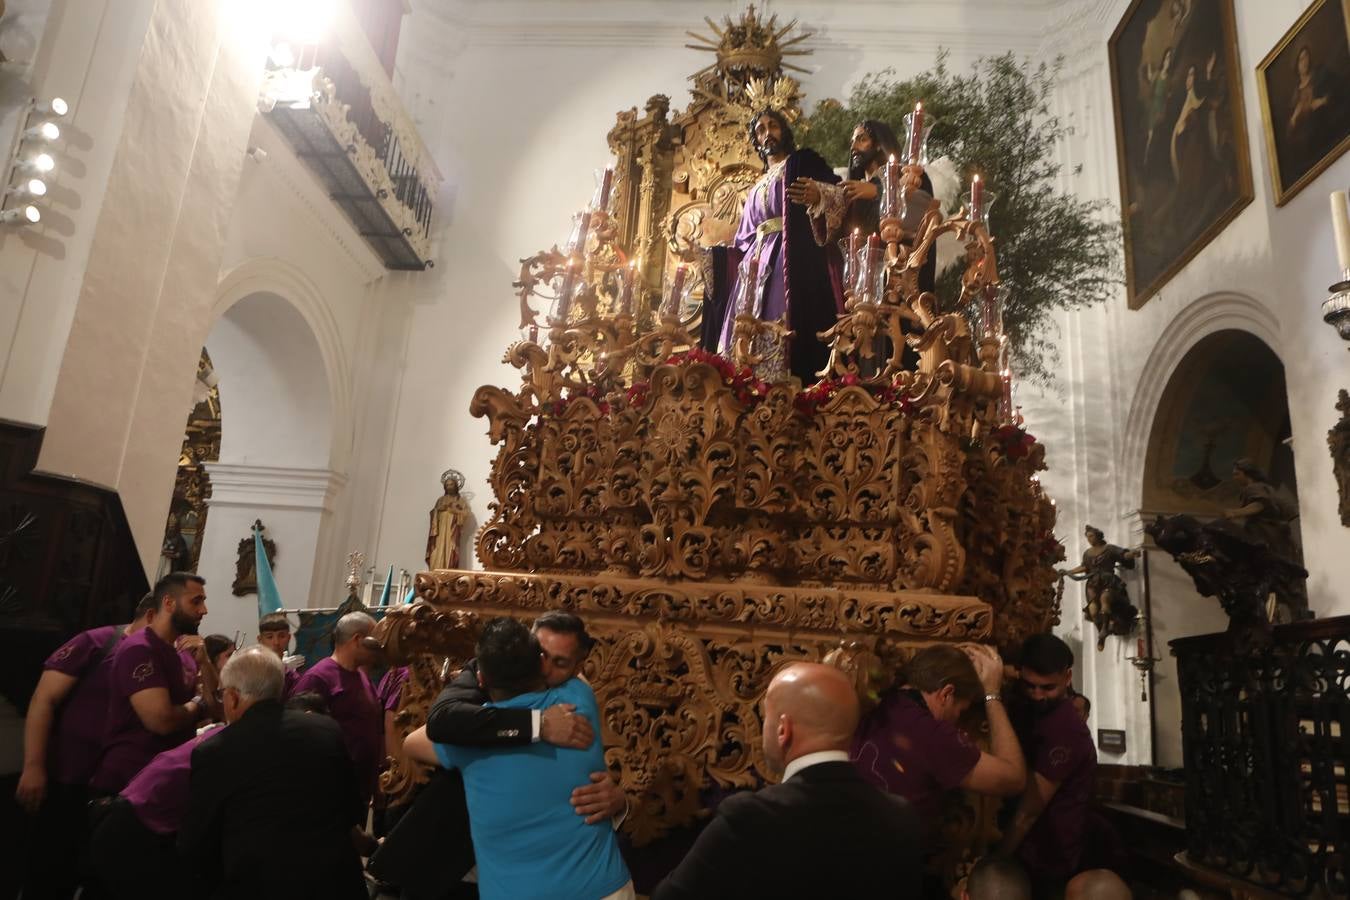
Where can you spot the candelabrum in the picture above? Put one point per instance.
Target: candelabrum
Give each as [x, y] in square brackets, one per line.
[1336, 308]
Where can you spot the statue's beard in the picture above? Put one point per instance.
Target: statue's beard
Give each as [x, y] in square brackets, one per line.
[862, 159]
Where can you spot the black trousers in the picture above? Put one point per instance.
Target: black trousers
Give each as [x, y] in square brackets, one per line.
[56, 842]
[128, 860]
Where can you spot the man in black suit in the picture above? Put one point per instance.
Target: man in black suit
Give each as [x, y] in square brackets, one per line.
[822, 832]
[273, 796]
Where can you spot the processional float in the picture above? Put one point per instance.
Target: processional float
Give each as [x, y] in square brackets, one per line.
[711, 527]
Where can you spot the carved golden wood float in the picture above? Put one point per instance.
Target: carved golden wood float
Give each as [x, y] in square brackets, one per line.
[710, 527]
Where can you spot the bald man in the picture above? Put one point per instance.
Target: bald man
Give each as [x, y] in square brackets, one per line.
[341, 680]
[822, 832]
[1097, 884]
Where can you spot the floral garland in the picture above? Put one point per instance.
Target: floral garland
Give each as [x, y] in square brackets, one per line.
[1013, 441]
[748, 389]
[817, 395]
[593, 392]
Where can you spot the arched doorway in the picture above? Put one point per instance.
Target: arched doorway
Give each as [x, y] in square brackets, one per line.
[1226, 400]
[275, 453]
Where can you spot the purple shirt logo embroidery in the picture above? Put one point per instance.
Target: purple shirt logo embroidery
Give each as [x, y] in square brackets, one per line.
[143, 671]
[63, 653]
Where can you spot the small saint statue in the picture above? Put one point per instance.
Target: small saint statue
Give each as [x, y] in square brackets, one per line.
[1108, 603]
[447, 523]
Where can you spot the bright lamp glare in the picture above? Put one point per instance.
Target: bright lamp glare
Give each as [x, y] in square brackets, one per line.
[49, 131]
[36, 186]
[282, 56]
[304, 21]
[43, 162]
[59, 106]
[31, 214]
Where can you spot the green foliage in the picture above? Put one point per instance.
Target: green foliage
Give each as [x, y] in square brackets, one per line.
[1054, 250]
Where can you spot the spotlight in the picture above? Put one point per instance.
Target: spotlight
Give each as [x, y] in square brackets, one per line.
[53, 107]
[282, 56]
[23, 215]
[40, 164]
[47, 131]
[32, 187]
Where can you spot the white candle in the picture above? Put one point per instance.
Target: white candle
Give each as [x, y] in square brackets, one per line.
[1340, 220]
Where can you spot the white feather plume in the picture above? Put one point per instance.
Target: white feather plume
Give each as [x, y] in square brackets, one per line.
[946, 187]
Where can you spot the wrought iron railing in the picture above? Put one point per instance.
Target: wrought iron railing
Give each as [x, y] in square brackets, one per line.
[1265, 729]
[342, 116]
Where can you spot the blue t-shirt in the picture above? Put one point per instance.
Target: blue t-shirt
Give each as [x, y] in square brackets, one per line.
[527, 839]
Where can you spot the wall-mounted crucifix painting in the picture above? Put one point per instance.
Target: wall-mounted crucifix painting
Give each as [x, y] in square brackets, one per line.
[1181, 137]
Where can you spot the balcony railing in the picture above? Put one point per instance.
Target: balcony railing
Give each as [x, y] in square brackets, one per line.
[337, 108]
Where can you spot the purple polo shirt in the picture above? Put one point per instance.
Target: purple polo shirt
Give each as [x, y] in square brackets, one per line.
[77, 733]
[1060, 749]
[352, 704]
[141, 662]
[902, 749]
[159, 793]
[390, 689]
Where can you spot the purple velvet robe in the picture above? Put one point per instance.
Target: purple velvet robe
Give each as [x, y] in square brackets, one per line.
[796, 278]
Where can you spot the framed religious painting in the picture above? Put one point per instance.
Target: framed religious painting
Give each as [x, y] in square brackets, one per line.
[1305, 97]
[1181, 137]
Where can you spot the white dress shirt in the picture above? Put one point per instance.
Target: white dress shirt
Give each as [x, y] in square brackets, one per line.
[812, 759]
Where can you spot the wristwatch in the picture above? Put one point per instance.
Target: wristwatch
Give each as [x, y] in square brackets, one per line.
[993, 697]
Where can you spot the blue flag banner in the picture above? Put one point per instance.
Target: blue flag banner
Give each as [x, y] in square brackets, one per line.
[384, 594]
[269, 598]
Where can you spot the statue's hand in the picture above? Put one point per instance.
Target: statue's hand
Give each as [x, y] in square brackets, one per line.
[859, 190]
[804, 192]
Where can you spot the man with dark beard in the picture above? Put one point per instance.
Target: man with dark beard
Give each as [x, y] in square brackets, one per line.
[855, 203]
[1047, 831]
[794, 280]
[151, 704]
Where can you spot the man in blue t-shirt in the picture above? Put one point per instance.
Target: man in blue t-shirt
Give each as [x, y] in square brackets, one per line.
[528, 840]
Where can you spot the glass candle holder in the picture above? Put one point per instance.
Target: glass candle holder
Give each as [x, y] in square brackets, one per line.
[918, 126]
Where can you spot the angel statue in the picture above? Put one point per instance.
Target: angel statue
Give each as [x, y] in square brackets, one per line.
[447, 523]
[1108, 603]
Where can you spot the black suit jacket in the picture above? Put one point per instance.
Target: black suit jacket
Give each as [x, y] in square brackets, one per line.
[823, 833]
[459, 717]
[272, 802]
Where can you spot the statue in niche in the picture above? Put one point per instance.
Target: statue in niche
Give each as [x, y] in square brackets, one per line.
[447, 523]
[246, 563]
[1108, 603]
[1338, 439]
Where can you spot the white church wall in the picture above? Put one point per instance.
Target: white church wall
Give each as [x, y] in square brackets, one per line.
[85, 52]
[1265, 273]
[515, 100]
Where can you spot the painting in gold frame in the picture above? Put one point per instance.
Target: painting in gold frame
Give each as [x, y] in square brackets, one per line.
[1181, 134]
[1305, 97]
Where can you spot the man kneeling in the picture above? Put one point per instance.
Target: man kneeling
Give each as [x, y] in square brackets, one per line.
[528, 840]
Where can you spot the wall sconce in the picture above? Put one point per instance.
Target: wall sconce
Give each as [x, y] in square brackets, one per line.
[29, 160]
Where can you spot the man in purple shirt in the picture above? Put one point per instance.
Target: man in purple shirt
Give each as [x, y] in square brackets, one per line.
[910, 744]
[152, 705]
[1047, 830]
[339, 679]
[62, 737]
[141, 824]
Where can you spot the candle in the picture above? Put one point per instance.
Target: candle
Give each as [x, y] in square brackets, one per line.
[1140, 651]
[606, 184]
[916, 133]
[976, 199]
[1007, 394]
[626, 299]
[676, 292]
[855, 243]
[1340, 220]
[583, 231]
[565, 291]
[891, 200]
